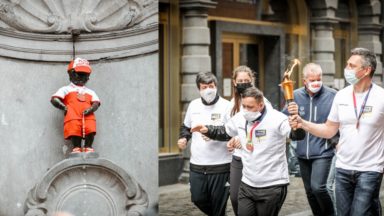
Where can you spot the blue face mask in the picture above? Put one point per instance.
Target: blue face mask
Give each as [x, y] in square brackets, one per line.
[350, 76]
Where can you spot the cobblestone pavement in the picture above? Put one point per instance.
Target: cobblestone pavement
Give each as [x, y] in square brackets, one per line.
[174, 200]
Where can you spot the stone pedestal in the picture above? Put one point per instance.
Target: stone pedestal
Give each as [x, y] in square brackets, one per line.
[86, 185]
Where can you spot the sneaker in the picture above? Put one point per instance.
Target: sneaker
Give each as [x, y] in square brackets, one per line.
[89, 149]
[76, 150]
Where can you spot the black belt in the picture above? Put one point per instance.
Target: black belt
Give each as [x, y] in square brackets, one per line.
[210, 169]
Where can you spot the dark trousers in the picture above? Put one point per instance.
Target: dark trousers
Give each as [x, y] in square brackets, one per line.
[261, 201]
[314, 173]
[210, 192]
[235, 180]
[357, 193]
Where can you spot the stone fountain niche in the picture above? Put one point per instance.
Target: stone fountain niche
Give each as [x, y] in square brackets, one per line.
[86, 185]
[119, 38]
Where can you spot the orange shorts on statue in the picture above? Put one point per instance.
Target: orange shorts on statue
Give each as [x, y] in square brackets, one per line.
[74, 127]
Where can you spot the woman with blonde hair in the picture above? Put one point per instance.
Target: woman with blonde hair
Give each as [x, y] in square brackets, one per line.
[242, 79]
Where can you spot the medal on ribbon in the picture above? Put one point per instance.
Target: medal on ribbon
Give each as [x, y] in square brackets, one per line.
[249, 146]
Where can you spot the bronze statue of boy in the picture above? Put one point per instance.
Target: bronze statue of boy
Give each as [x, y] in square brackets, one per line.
[79, 104]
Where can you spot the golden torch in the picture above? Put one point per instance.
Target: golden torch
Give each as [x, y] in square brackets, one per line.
[287, 83]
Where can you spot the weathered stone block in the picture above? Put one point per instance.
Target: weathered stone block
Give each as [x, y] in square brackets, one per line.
[324, 44]
[196, 63]
[189, 92]
[196, 35]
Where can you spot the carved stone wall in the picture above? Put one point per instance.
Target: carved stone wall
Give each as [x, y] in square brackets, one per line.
[120, 37]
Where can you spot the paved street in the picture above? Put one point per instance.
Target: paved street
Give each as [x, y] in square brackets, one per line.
[174, 200]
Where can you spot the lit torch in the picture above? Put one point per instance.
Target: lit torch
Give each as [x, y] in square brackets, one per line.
[287, 83]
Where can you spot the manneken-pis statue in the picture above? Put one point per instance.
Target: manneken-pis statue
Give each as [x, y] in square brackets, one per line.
[79, 104]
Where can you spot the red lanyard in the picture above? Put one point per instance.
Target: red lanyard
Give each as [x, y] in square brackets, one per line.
[249, 144]
[362, 106]
[249, 136]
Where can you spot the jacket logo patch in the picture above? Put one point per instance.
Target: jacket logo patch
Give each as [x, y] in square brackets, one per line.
[216, 120]
[215, 116]
[367, 109]
[260, 133]
[301, 111]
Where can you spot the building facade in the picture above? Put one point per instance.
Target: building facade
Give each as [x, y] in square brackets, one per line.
[217, 36]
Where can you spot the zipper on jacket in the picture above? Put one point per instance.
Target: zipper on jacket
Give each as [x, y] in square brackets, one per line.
[310, 119]
[314, 120]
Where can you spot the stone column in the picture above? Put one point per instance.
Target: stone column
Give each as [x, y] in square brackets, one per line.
[195, 57]
[323, 50]
[369, 33]
[195, 42]
[323, 42]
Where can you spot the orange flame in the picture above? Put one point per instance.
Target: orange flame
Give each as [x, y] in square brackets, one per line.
[288, 72]
[287, 83]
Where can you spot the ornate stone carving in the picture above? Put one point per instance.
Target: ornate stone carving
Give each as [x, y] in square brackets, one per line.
[98, 46]
[61, 16]
[86, 186]
[38, 29]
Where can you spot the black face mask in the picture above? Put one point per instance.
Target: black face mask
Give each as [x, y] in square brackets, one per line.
[240, 87]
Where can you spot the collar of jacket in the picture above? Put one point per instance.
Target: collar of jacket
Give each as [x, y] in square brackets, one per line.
[263, 112]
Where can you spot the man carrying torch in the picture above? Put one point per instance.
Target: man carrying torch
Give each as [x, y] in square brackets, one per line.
[358, 112]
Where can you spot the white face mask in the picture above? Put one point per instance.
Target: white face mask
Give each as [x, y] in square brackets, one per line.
[208, 94]
[251, 116]
[350, 76]
[314, 86]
